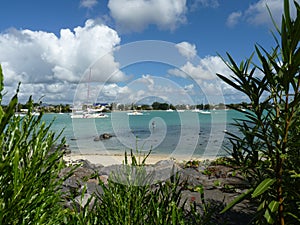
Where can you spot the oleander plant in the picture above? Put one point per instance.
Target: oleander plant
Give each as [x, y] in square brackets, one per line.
[268, 149]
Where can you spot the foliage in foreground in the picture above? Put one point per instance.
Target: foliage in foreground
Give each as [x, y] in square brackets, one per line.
[29, 168]
[131, 197]
[269, 149]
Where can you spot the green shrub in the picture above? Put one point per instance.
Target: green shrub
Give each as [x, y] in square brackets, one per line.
[268, 148]
[132, 197]
[29, 168]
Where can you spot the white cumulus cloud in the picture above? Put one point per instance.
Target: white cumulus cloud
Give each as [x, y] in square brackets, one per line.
[136, 15]
[233, 18]
[54, 64]
[204, 74]
[204, 3]
[186, 49]
[88, 3]
[206, 69]
[258, 14]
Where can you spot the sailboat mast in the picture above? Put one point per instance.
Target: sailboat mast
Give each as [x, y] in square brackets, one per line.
[88, 86]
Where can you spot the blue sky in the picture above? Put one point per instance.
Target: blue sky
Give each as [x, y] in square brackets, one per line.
[69, 50]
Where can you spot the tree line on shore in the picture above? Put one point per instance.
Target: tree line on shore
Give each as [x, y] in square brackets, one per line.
[67, 108]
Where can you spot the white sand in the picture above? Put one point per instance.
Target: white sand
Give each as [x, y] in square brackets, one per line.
[107, 160]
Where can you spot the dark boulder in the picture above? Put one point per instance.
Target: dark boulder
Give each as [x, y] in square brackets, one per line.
[105, 136]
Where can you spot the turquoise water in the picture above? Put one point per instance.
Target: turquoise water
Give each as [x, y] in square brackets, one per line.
[172, 133]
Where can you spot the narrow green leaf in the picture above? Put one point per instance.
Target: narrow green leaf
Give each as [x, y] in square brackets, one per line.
[262, 187]
[261, 206]
[228, 81]
[268, 217]
[1, 83]
[294, 216]
[273, 206]
[237, 200]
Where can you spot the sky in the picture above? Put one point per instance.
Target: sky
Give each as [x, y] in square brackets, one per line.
[129, 51]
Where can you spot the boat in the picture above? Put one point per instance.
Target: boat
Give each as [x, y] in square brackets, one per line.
[24, 112]
[169, 110]
[95, 115]
[180, 110]
[196, 110]
[35, 113]
[204, 111]
[135, 113]
[20, 114]
[60, 110]
[90, 112]
[88, 115]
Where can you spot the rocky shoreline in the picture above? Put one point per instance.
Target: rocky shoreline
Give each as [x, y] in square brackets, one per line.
[219, 182]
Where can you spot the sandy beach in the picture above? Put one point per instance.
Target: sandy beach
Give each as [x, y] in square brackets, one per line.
[107, 160]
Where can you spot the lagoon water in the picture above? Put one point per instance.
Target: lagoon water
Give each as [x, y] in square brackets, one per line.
[168, 133]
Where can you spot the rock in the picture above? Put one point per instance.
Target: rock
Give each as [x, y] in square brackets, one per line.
[219, 171]
[190, 197]
[88, 165]
[165, 163]
[105, 136]
[163, 170]
[104, 179]
[84, 200]
[216, 187]
[107, 170]
[191, 176]
[65, 149]
[73, 182]
[93, 187]
[83, 172]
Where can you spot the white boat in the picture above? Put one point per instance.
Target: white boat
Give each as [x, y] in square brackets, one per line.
[87, 115]
[96, 115]
[169, 110]
[36, 113]
[180, 110]
[135, 113]
[20, 114]
[205, 112]
[24, 112]
[60, 110]
[196, 110]
[90, 112]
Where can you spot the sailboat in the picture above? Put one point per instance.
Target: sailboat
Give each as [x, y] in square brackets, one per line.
[135, 113]
[196, 110]
[60, 110]
[204, 111]
[89, 112]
